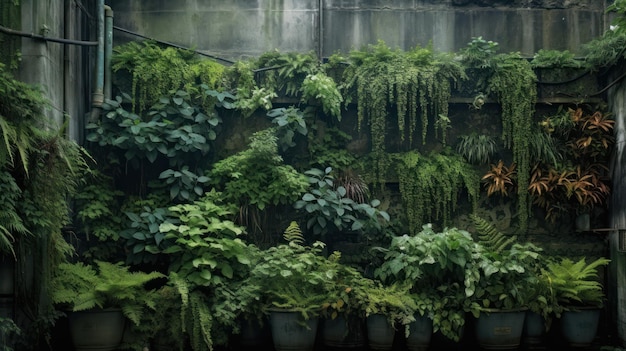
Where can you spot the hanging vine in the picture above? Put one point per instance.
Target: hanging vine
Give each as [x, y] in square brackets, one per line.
[514, 84]
[417, 83]
[430, 186]
[155, 71]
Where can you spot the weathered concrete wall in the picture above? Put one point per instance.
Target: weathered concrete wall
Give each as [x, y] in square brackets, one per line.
[238, 28]
[59, 69]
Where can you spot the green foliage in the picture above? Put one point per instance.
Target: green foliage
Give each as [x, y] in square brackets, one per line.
[289, 121]
[438, 267]
[184, 185]
[577, 283]
[206, 247]
[490, 237]
[545, 58]
[417, 83]
[11, 224]
[286, 71]
[22, 121]
[479, 52]
[293, 276]
[155, 70]
[515, 85]
[605, 51]
[331, 211]
[142, 235]
[505, 278]
[392, 301]
[320, 87]
[195, 315]
[477, 149]
[98, 206]
[293, 234]
[327, 147]
[430, 186]
[80, 287]
[8, 332]
[175, 128]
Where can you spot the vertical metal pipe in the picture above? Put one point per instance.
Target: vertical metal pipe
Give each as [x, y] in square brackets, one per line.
[320, 29]
[108, 50]
[98, 94]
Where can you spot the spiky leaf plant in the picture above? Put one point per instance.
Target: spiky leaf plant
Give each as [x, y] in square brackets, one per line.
[577, 283]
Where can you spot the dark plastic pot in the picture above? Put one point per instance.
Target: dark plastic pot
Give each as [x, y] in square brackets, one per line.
[380, 333]
[500, 329]
[579, 327]
[290, 332]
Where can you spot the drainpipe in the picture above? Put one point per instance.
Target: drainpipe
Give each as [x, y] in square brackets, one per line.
[108, 50]
[98, 94]
[320, 29]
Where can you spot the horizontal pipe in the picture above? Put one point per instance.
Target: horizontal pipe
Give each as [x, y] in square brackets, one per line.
[10, 31]
[171, 44]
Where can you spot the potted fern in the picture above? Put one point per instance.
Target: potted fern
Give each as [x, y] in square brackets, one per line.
[579, 293]
[293, 278]
[99, 299]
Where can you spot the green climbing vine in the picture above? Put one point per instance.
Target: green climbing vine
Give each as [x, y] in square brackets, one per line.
[430, 186]
[514, 84]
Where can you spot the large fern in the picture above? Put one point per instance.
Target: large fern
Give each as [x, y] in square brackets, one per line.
[577, 282]
[83, 287]
[490, 237]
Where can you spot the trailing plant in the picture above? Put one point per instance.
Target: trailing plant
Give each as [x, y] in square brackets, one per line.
[415, 83]
[46, 167]
[514, 84]
[330, 211]
[431, 186]
[155, 70]
[477, 149]
[11, 224]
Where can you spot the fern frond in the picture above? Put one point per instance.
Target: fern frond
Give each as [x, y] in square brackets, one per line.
[490, 237]
[293, 234]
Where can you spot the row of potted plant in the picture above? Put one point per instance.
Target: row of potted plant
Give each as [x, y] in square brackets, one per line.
[445, 276]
